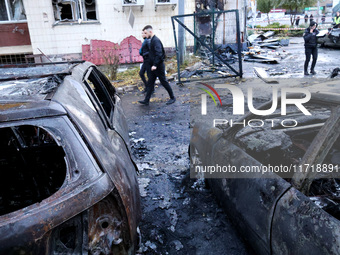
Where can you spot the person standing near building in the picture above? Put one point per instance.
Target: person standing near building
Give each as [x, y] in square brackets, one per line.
[310, 47]
[323, 18]
[156, 57]
[297, 21]
[311, 18]
[145, 68]
[336, 20]
[306, 18]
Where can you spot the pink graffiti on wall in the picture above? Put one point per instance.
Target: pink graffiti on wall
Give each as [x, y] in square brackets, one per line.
[127, 50]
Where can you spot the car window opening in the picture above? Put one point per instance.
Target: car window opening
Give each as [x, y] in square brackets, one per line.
[32, 164]
[100, 92]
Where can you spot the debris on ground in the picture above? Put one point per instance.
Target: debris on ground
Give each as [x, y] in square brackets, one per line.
[138, 146]
[143, 184]
[175, 207]
[256, 52]
[335, 72]
[263, 75]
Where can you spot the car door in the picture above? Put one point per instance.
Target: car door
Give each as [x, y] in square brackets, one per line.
[107, 102]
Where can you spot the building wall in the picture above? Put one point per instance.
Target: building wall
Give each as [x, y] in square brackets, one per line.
[112, 25]
[14, 34]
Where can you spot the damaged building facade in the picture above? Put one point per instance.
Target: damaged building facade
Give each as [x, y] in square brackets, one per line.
[60, 28]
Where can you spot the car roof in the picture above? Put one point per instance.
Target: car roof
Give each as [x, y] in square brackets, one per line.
[26, 92]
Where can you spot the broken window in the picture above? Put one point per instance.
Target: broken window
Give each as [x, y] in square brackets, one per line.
[32, 164]
[12, 10]
[74, 10]
[130, 1]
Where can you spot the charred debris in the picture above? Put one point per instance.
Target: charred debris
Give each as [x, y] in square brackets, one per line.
[260, 48]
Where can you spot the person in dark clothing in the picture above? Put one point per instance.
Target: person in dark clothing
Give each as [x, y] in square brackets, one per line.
[311, 18]
[310, 47]
[145, 68]
[297, 21]
[323, 19]
[306, 18]
[156, 58]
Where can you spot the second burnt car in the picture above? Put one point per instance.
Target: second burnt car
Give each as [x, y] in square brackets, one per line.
[69, 184]
[277, 212]
[329, 38]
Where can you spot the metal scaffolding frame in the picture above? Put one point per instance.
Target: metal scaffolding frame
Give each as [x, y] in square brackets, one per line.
[212, 49]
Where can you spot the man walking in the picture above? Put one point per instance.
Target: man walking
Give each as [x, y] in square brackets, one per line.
[310, 47]
[156, 58]
[144, 52]
[306, 18]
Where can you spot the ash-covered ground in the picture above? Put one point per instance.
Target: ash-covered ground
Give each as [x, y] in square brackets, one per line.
[180, 215]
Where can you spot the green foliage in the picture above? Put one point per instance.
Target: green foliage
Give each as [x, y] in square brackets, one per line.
[265, 6]
[294, 5]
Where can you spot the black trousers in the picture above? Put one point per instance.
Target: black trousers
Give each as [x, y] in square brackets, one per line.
[160, 73]
[145, 68]
[311, 51]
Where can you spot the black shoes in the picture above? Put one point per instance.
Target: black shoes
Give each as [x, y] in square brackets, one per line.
[143, 102]
[171, 101]
[312, 72]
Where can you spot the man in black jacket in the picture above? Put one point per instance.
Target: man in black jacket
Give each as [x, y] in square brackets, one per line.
[156, 58]
[144, 52]
[310, 47]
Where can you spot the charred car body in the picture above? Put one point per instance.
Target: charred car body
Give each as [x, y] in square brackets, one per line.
[281, 214]
[68, 185]
[329, 38]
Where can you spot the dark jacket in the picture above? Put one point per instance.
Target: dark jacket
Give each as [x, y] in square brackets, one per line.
[156, 53]
[310, 38]
[144, 51]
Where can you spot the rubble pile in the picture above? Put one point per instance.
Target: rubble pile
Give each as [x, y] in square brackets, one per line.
[264, 48]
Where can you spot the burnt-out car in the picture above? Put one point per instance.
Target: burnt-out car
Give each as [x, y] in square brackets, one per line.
[329, 38]
[69, 184]
[278, 212]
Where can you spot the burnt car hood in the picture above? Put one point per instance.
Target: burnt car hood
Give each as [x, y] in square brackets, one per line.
[14, 110]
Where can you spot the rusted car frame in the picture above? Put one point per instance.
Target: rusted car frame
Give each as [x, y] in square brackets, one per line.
[276, 217]
[96, 210]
